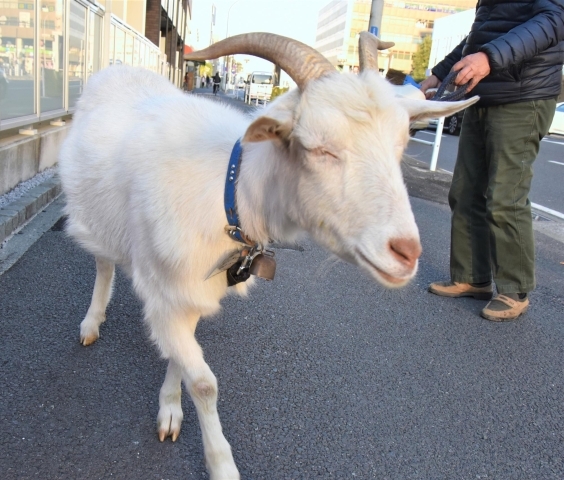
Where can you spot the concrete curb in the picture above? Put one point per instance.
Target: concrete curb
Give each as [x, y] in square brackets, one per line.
[17, 213]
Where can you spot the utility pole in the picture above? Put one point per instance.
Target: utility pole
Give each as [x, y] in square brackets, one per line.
[375, 27]
[228, 59]
[213, 10]
[376, 12]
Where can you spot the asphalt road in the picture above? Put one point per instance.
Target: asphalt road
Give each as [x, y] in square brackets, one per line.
[546, 189]
[322, 374]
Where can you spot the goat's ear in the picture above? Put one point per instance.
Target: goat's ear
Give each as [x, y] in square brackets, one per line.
[277, 122]
[267, 128]
[424, 109]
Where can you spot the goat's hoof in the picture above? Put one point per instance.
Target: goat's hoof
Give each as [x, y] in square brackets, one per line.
[88, 334]
[90, 330]
[169, 420]
[88, 339]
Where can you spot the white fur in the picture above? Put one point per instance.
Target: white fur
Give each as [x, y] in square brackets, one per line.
[144, 168]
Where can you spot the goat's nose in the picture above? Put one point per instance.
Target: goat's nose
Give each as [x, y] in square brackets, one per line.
[405, 250]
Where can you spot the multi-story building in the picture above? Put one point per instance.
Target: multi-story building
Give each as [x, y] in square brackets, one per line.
[49, 48]
[403, 22]
[448, 33]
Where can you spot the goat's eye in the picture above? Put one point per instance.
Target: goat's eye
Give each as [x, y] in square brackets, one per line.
[321, 152]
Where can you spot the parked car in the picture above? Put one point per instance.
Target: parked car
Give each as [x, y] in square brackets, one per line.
[557, 125]
[452, 124]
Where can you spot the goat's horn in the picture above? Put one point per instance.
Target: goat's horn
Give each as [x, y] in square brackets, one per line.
[368, 46]
[298, 60]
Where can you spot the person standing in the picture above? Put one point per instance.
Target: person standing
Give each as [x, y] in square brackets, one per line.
[512, 58]
[185, 85]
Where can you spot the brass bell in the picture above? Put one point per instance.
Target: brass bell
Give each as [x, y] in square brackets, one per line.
[264, 265]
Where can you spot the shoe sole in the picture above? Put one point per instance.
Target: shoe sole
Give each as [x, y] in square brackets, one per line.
[493, 318]
[476, 295]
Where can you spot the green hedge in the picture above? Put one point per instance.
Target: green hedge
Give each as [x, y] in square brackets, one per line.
[277, 91]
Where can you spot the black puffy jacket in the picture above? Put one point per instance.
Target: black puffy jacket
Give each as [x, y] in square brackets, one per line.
[524, 44]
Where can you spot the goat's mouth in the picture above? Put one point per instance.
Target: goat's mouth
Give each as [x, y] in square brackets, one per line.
[386, 277]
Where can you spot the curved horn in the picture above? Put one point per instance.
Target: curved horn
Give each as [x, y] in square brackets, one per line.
[368, 46]
[298, 60]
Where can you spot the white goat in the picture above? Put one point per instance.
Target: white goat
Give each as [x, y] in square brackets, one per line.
[144, 169]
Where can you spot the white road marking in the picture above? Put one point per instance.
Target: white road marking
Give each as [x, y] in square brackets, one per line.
[548, 210]
[536, 206]
[550, 141]
[554, 161]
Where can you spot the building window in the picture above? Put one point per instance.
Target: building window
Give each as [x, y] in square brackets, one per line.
[51, 55]
[128, 57]
[77, 52]
[94, 50]
[402, 55]
[119, 56]
[17, 62]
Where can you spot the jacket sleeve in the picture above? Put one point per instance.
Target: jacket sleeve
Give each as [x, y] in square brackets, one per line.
[442, 69]
[544, 30]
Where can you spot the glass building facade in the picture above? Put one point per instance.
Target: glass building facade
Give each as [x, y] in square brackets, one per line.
[49, 48]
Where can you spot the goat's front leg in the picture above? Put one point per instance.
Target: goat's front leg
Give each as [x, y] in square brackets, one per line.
[170, 414]
[178, 343]
[96, 315]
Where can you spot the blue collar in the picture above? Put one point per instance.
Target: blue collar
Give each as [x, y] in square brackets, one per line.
[229, 200]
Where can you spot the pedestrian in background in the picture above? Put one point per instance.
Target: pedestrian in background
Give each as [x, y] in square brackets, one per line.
[185, 85]
[216, 82]
[512, 58]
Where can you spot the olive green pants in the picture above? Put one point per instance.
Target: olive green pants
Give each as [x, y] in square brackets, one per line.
[491, 230]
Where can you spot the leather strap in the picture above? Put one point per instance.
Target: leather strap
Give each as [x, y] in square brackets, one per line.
[453, 96]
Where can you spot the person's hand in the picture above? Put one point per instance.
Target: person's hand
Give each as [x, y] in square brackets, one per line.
[430, 82]
[472, 68]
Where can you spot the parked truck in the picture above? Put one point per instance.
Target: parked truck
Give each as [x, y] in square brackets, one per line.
[258, 87]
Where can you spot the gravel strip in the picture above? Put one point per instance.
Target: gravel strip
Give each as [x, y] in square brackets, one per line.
[21, 188]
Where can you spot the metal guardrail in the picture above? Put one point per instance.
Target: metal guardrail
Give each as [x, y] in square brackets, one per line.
[435, 144]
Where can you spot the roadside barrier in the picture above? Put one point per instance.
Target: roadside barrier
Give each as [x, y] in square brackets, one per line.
[440, 96]
[436, 144]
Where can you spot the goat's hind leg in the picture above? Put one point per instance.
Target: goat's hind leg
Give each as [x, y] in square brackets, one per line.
[96, 315]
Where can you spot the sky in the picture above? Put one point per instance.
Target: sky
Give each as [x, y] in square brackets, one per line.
[292, 18]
